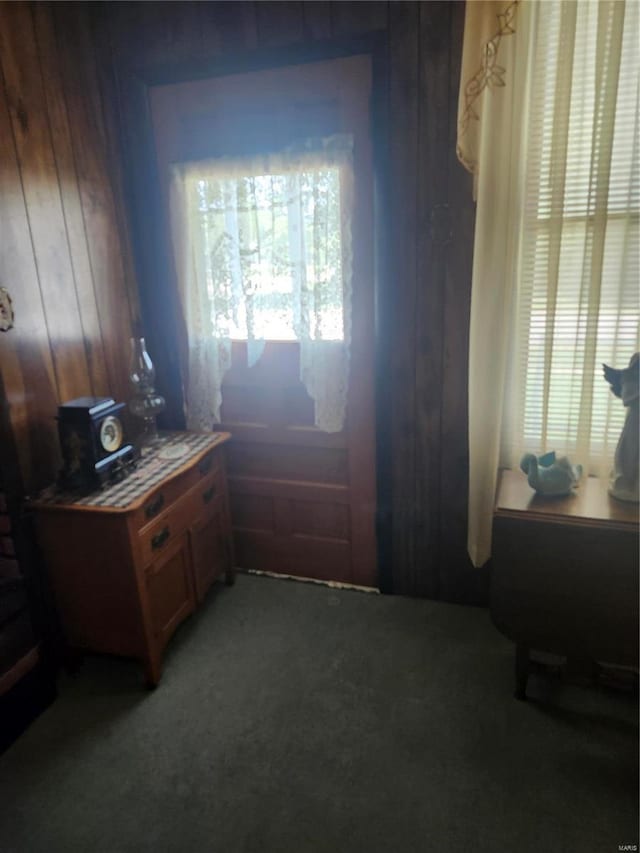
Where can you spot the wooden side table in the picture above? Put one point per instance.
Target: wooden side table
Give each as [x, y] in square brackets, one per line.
[565, 574]
[130, 562]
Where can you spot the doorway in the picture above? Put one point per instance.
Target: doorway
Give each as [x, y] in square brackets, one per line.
[302, 499]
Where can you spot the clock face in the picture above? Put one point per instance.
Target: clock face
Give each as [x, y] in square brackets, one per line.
[111, 434]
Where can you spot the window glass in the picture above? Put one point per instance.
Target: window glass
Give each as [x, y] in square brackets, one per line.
[273, 253]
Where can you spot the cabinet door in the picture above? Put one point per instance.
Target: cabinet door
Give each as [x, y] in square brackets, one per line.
[169, 589]
[210, 547]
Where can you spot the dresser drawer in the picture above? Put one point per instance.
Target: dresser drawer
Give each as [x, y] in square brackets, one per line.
[164, 496]
[197, 503]
[209, 464]
[207, 497]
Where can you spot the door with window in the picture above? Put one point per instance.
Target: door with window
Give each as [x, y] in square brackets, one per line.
[268, 189]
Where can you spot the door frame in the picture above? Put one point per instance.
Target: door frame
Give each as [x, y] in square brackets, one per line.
[143, 201]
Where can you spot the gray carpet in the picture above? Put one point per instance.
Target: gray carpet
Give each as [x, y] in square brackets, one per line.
[295, 718]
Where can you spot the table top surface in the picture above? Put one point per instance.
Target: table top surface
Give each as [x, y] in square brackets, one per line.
[589, 504]
[173, 453]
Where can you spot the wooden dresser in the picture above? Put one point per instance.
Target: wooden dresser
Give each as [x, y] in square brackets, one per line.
[128, 563]
[564, 576]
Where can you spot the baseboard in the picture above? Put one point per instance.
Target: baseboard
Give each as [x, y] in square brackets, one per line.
[332, 584]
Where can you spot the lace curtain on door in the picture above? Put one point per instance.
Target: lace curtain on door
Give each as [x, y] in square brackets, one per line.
[263, 252]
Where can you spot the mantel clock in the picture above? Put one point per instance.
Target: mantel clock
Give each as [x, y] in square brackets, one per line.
[93, 441]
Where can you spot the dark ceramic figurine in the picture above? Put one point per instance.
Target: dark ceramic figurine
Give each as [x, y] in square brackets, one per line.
[624, 477]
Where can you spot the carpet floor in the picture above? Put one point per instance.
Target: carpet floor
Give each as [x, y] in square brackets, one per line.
[294, 718]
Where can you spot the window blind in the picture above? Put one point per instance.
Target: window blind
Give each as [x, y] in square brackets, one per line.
[577, 300]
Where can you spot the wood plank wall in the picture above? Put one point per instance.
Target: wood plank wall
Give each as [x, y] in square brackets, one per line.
[424, 344]
[64, 252]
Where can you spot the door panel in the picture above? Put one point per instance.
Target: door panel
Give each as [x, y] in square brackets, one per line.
[302, 557]
[252, 458]
[302, 501]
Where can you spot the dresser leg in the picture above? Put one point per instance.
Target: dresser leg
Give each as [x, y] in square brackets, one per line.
[152, 673]
[230, 576]
[522, 671]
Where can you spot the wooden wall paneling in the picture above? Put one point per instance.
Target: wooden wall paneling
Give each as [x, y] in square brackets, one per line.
[361, 410]
[77, 51]
[163, 30]
[433, 236]
[135, 25]
[159, 305]
[228, 27]
[412, 437]
[211, 39]
[403, 217]
[348, 18]
[459, 580]
[176, 33]
[126, 32]
[157, 32]
[61, 253]
[70, 197]
[384, 308]
[30, 391]
[102, 56]
[278, 23]
[316, 18]
[41, 187]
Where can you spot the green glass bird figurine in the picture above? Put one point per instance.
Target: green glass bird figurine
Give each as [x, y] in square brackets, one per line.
[550, 476]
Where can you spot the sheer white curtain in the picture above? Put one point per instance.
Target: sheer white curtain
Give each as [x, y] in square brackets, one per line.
[262, 247]
[555, 280]
[491, 122]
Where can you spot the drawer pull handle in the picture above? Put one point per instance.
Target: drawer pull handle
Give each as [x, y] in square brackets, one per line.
[210, 492]
[159, 539]
[154, 506]
[205, 466]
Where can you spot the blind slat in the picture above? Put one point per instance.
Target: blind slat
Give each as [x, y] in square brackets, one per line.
[577, 300]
